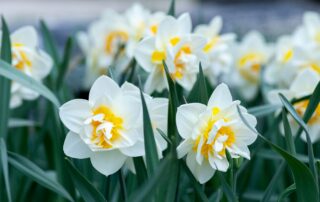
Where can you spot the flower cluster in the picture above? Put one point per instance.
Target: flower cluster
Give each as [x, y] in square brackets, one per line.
[29, 59]
[108, 128]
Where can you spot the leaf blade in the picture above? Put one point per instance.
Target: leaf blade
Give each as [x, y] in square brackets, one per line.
[4, 163]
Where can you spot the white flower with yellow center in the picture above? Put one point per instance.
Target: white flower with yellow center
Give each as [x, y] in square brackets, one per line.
[250, 55]
[209, 131]
[29, 59]
[105, 128]
[152, 50]
[104, 45]
[217, 48]
[304, 84]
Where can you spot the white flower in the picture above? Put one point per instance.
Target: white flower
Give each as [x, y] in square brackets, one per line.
[217, 49]
[173, 44]
[304, 84]
[29, 59]
[105, 128]
[103, 45]
[311, 29]
[250, 55]
[208, 131]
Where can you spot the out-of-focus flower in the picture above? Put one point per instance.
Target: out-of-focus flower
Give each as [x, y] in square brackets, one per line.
[104, 44]
[173, 44]
[105, 128]
[304, 84]
[250, 56]
[209, 131]
[29, 59]
[311, 30]
[217, 49]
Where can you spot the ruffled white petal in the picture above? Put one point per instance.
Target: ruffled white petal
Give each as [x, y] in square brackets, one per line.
[74, 147]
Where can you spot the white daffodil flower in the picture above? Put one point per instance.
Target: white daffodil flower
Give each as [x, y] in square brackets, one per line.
[311, 29]
[209, 131]
[105, 128]
[250, 55]
[217, 49]
[151, 51]
[103, 46]
[304, 84]
[29, 59]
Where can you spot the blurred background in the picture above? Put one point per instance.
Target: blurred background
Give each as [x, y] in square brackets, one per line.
[272, 17]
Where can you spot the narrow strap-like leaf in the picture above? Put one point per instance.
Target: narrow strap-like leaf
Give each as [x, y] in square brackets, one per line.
[289, 190]
[9, 72]
[87, 191]
[31, 170]
[63, 67]
[150, 146]
[172, 8]
[5, 83]
[4, 164]
[304, 180]
[298, 119]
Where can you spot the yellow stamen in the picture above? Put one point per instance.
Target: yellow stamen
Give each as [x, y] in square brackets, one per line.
[113, 37]
[23, 61]
[287, 56]
[174, 40]
[301, 108]
[179, 66]
[211, 44]
[98, 138]
[154, 29]
[158, 56]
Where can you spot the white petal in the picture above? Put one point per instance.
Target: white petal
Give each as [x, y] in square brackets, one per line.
[186, 118]
[26, 36]
[202, 173]
[219, 164]
[221, 97]
[74, 147]
[155, 81]
[184, 148]
[108, 162]
[184, 21]
[143, 53]
[15, 101]
[305, 83]
[103, 87]
[135, 150]
[74, 113]
[41, 65]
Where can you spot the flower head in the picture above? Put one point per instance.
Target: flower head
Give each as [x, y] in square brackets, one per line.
[304, 84]
[104, 128]
[217, 49]
[251, 54]
[29, 59]
[210, 131]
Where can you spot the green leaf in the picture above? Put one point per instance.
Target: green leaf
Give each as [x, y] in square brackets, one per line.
[141, 170]
[289, 190]
[31, 170]
[264, 110]
[164, 136]
[227, 189]
[199, 91]
[158, 179]
[63, 67]
[273, 183]
[152, 159]
[5, 83]
[16, 123]
[195, 183]
[49, 43]
[172, 109]
[304, 180]
[288, 133]
[294, 114]
[172, 7]
[87, 191]
[9, 72]
[4, 163]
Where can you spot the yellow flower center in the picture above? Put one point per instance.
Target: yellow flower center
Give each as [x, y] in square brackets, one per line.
[211, 44]
[21, 56]
[98, 137]
[158, 56]
[251, 74]
[287, 56]
[314, 66]
[174, 40]
[178, 63]
[115, 38]
[301, 108]
[154, 29]
[207, 148]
